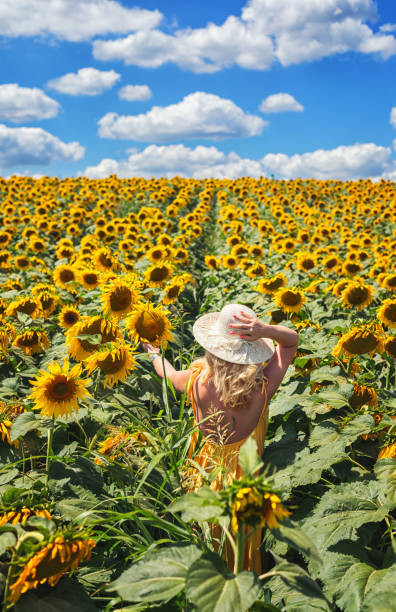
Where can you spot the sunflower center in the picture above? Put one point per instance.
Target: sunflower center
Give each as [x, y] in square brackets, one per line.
[391, 282]
[28, 339]
[352, 267]
[91, 278]
[359, 343]
[289, 298]
[71, 317]
[113, 363]
[27, 307]
[120, 298]
[159, 273]
[174, 291]
[390, 312]
[273, 284]
[357, 295]
[106, 261]
[66, 276]
[149, 327]
[61, 389]
[307, 264]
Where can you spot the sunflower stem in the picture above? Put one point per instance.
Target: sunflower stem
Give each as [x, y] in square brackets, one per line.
[350, 364]
[50, 437]
[238, 564]
[8, 605]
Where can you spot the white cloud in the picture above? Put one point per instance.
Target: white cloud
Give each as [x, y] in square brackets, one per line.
[86, 82]
[19, 104]
[73, 20]
[198, 115]
[177, 160]
[365, 160]
[393, 117]
[388, 27]
[277, 103]
[25, 145]
[287, 31]
[134, 93]
[344, 163]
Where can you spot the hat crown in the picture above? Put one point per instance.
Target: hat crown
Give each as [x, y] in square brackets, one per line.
[226, 316]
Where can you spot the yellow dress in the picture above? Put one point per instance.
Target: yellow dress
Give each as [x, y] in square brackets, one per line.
[213, 454]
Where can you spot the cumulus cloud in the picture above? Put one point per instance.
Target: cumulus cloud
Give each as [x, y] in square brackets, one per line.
[287, 31]
[25, 145]
[73, 20]
[135, 93]
[85, 82]
[198, 115]
[344, 163]
[277, 103]
[177, 160]
[393, 117]
[19, 104]
[365, 160]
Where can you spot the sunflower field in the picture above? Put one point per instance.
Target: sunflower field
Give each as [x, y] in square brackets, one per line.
[96, 508]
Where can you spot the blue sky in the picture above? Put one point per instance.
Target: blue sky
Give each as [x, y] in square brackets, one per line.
[162, 88]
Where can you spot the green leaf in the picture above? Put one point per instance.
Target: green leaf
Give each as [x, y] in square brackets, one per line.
[159, 577]
[342, 510]
[67, 596]
[8, 475]
[203, 505]
[23, 423]
[293, 536]
[249, 459]
[7, 537]
[381, 597]
[297, 579]
[385, 470]
[355, 584]
[213, 588]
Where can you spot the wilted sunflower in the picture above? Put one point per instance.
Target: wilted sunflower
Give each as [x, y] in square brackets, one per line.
[256, 508]
[390, 345]
[63, 275]
[357, 295]
[69, 316]
[111, 445]
[119, 297]
[7, 333]
[389, 282]
[388, 452]
[386, 313]
[81, 348]
[289, 299]
[22, 514]
[48, 301]
[114, 360]
[32, 341]
[363, 394]
[150, 324]
[158, 274]
[57, 391]
[358, 341]
[50, 563]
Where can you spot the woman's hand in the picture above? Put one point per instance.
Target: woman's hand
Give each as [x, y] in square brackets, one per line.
[149, 348]
[250, 328]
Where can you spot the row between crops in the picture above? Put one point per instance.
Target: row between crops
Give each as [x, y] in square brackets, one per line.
[96, 512]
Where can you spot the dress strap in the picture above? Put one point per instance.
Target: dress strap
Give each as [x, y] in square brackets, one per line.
[195, 371]
[264, 392]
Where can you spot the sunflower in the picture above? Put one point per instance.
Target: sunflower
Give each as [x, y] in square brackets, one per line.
[305, 262]
[48, 301]
[69, 316]
[150, 324]
[50, 563]
[21, 516]
[89, 279]
[22, 262]
[7, 333]
[212, 262]
[63, 275]
[330, 263]
[363, 394]
[256, 251]
[389, 282]
[104, 260]
[81, 348]
[290, 299]
[388, 452]
[25, 305]
[256, 270]
[390, 345]
[339, 287]
[254, 507]
[158, 274]
[57, 391]
[350, 268]
[229, 261]
[358, 341]
[110, 446]
[114, 360]
[386, 313]
[119, 297]
[32, 341]
[172, 291]
[357, 294]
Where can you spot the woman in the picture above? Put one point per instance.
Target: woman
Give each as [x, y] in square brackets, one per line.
[230, 389]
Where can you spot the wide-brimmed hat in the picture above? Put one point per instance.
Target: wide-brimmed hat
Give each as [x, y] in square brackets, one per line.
[212, 332]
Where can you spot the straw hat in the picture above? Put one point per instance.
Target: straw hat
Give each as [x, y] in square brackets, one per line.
[212, 332]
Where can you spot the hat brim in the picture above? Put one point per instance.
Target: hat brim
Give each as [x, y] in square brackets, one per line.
[233, 349]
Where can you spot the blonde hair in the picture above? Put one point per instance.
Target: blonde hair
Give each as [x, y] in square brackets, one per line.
[234, 382]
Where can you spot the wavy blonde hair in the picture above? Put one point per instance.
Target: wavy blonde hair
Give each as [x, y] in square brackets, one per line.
[234, 382]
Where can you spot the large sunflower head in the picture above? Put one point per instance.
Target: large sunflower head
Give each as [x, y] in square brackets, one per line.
[289, 299]
[350, 268]
[119, 297]
[115, 360]
[357, 295]
[104, 260]
[363, 394]
[58, 391]
[26, 305]
[158, 274]
[229, 261]
[100, 329]
[150, 324]
[389, 282]
[358, 341]
[69, 316]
